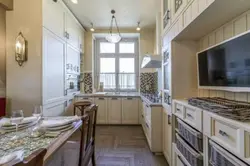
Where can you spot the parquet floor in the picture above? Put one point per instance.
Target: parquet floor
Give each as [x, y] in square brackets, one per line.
[123, 146]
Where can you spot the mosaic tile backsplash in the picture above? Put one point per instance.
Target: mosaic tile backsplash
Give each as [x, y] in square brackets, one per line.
[148, 82]
[87, 83]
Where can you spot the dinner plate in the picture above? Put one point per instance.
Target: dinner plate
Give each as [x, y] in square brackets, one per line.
[8, 158]
[19, 127]
[59, 127]
[55, 124]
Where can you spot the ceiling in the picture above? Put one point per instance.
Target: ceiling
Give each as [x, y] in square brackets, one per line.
[128, 12]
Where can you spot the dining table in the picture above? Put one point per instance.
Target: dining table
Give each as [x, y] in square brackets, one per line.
[29, 144]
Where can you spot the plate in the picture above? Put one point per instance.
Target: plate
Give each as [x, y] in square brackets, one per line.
[8, 158]
[59, 127]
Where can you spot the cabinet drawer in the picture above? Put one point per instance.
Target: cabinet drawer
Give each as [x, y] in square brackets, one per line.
[179, 110]
[226, 135]
[193, 116]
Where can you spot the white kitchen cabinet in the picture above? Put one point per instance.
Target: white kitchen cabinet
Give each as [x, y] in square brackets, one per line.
[73, 31]
[166, 14]
[102, 110]
[53, 67]
[130, 110]
[53, 17]
[114, 110]
[73, 60]
[167, 135]
[177, 7]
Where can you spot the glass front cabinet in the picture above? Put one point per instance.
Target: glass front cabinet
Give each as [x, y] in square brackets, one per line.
[177, 7]
[166, 11]
[166, 76]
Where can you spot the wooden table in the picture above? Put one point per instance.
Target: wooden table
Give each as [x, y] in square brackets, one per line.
[59, 142]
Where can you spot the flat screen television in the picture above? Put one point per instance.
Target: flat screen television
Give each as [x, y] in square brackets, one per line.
[226, 66]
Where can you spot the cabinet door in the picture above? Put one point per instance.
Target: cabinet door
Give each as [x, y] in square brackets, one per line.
[102, 110]
[167, 136]
[73, 31]
[54, 109]
[166, 7]
[81, 40]
[53, 17]
[130, 111]
[115, 111]
[73, 60]
[177, 7]
[53, 67]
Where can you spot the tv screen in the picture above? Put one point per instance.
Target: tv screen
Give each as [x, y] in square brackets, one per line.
[226, 65]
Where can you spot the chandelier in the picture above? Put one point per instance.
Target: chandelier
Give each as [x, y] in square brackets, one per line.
[113, 37]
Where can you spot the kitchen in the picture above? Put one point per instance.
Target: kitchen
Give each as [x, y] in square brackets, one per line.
[161, 92]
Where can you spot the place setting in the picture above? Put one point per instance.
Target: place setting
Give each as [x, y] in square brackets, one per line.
[21, 136]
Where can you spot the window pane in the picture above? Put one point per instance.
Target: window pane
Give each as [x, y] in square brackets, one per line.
[107, 47]
[127, 65]
[127, 81]
[108, 80]
[127, 47]
[107, 65]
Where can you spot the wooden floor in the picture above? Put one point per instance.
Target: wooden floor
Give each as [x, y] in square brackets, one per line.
[124, 146]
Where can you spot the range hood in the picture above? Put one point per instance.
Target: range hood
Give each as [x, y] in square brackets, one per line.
[151, 61]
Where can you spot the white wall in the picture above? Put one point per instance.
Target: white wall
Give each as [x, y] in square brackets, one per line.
[24, 83]
[232, 28]
[2, 52]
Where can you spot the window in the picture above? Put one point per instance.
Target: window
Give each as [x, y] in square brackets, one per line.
[117, 65]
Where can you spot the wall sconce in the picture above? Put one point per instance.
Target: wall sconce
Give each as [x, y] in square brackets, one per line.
[21, 49]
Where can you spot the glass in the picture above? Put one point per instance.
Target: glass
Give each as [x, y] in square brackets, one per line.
[107, 47]
[127, 65]
[37, 112]
[107, 65]
[16, 119]
[127, 47]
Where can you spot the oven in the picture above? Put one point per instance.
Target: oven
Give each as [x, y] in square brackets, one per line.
[72, 83]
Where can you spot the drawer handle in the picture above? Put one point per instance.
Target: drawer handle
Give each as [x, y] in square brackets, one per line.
[147, 106]
[129, 98]
[223, 133]
[169, 119]
[100, 98]
[190, 116]
[178, 110]
[181, 160]
[147, 125]
[142, 116]
[114, 99]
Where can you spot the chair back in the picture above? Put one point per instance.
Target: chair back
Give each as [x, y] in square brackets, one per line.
[88, 132]
[35, 159]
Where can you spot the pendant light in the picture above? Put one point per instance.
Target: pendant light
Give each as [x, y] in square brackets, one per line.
[111, 37]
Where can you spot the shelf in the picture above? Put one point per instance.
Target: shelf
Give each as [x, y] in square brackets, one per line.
[216, 15]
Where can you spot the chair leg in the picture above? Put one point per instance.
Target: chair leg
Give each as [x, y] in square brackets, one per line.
[93, 159]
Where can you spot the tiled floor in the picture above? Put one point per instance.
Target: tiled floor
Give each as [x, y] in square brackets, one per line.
[124, 146]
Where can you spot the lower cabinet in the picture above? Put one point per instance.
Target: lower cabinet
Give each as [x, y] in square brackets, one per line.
[114, 110]
[55, 109]
[167, 135]
[130, 111]
[102, 110]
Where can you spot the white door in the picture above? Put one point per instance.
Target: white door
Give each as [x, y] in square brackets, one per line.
[53, 67]
[115, 111]
[73, 60]
[73, 31]
[53, 17]
[55, 109]
[130, 111]
[102, 110]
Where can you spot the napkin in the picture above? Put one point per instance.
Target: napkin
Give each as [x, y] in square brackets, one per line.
[12, 159]
[58, 122]
[7, 121]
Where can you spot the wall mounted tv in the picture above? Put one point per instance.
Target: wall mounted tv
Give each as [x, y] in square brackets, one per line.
[226, 66]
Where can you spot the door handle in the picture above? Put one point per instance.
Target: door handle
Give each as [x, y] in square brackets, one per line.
[169, 119]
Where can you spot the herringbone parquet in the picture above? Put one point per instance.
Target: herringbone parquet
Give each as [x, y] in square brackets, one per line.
[124, 146]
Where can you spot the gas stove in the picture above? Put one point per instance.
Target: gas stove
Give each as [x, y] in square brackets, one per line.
[152, 97]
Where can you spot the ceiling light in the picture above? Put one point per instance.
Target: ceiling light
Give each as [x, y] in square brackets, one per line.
[92, 29]
[74, 1]
[138, 26]
[111, 37]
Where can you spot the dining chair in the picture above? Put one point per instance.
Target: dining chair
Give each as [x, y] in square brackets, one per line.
[35, 159]
[81, 105]
[87, 143]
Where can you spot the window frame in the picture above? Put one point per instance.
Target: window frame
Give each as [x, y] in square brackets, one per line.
[117, 56]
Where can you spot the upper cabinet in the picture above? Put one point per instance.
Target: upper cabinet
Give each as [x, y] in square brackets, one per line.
[53, 17]
[177, 7]
[60, 21]
[166, 7]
